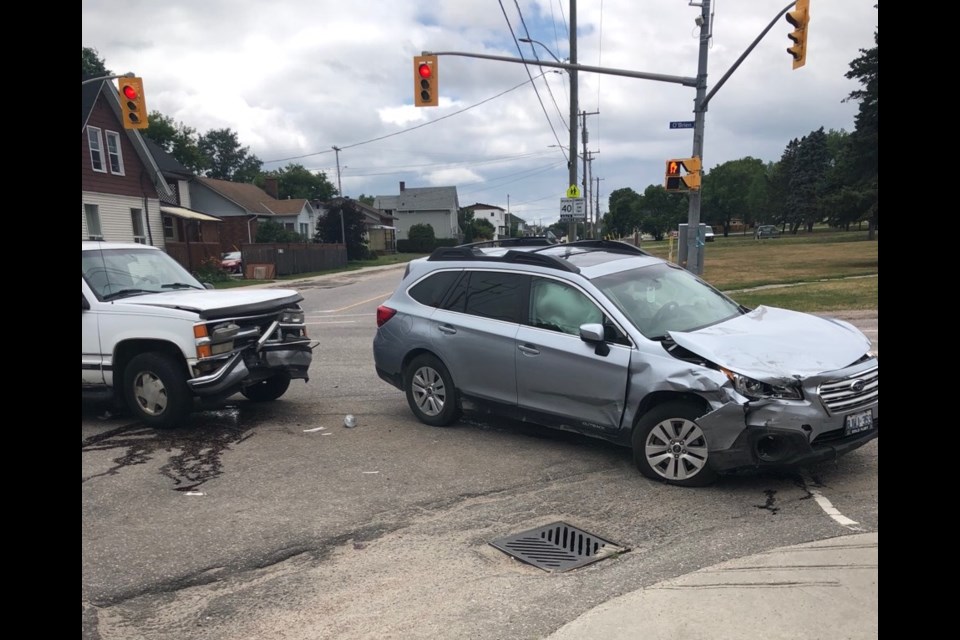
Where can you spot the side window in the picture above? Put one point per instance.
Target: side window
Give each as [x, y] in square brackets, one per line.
[559, 307]
[95, 142]
[489, 294]
[431, 290]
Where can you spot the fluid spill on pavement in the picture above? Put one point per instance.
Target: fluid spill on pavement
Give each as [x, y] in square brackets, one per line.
[193, 452]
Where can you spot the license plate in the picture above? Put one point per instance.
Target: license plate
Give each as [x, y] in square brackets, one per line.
[857, 422]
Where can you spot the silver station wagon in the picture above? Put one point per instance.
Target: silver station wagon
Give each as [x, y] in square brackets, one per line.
[601, 338]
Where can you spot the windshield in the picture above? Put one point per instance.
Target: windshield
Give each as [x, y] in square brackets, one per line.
[664, 297]
[117, 273]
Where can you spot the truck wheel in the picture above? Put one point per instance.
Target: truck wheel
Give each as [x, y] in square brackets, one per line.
[155, 388]
[267, 390]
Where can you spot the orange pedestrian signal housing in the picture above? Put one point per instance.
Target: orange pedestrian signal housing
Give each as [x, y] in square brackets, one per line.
[682, 174]
[426, 86]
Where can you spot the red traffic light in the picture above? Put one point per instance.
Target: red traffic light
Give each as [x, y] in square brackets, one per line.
[424, 70]
[130, 92]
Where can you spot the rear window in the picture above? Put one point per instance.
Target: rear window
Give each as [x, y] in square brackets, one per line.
[489, 294]
[431, 290]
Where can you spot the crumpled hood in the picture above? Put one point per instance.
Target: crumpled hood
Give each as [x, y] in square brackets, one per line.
[771, 344]
[213, 303]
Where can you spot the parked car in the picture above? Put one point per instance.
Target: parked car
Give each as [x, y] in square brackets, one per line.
[601, 338]
[708, 234]
[156, 340]
[231, 262]
[766, 231]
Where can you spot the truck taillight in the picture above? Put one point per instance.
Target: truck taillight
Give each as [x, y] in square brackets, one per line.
[384, 313]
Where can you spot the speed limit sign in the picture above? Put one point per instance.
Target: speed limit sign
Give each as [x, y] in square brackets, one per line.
[572, 209]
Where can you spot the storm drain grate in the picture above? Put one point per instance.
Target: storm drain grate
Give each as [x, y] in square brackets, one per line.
[557, 547]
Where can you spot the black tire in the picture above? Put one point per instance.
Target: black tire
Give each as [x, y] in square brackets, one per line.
[430, 391]
[155, 390]
[267, 390]
[669, 445]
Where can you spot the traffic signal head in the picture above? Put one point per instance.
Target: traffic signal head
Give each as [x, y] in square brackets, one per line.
[799, 18]
[133, 106]
[682, 174]
[426, 85]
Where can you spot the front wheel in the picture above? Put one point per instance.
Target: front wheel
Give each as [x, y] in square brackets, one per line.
[155, 389]
[267, 390]
[430, 391]
[670, 446]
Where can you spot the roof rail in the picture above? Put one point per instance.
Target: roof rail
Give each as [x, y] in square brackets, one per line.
[524, 241]
[528, 257]
[615, 246]
[455, 253]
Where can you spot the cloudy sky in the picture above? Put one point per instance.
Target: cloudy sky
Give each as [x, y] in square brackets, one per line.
[295, 78]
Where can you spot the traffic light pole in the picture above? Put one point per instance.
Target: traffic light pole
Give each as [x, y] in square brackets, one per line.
[694, 261]
[574, 107]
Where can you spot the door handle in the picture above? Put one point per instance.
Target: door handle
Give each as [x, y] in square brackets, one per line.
[445, 328]
[528, 349]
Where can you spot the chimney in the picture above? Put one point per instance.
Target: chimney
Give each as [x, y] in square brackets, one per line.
[403, 186]
[271, 186]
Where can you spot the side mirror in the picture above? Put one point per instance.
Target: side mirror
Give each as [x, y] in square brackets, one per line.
[593, 333]
[207, 285]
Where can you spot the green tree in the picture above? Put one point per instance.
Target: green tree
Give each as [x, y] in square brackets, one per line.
[623, 217]
[661, 211]
[273, 231]
[367, 200]
[295, 181]
[734, 189]
[92, 65]
[329, 229]
[177, 139]
[422, 238]
[864, 155]
[228, 160]
[480, 229]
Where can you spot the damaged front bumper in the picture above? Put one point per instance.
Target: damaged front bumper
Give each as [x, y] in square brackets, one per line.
[765, 447]
[256, 362]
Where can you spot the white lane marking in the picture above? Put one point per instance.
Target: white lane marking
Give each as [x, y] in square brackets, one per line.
[319, 324]
[832, 511]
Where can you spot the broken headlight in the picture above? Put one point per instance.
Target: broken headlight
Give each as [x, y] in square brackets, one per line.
[757, 390]
[292, 316]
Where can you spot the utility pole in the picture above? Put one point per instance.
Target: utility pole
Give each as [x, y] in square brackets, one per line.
[588, 189]
[584, 136]
[596, 211]
[343, 228]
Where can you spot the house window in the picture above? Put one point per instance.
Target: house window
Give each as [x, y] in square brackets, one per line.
[305, 230]
[288, 226]
[92, 214]
[95, 142]
[136, 221]
[114, 153]
[168, 232]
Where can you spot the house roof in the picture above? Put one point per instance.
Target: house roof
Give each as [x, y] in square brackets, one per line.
[169, 165]
[421, 199]
[188, 214]
[88, 98]
[288, 207]
[247, 196]
[480, 205]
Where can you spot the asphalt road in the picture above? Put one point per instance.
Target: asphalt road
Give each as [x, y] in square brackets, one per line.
[276, 521]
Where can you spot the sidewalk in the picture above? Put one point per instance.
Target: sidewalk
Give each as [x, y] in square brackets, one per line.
[827, 589]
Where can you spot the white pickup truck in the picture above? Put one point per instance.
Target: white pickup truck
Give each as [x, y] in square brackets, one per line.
[159, 341]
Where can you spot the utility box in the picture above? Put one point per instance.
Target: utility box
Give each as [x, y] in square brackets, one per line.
[682, 244]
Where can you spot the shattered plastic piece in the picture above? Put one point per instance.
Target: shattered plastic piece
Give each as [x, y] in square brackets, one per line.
[371, 472]
[194, 493]
[314, 429]
[349, 421]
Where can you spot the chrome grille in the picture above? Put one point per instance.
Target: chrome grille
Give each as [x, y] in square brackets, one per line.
[855, 391]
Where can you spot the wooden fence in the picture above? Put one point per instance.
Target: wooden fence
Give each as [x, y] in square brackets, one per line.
[291, 258]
